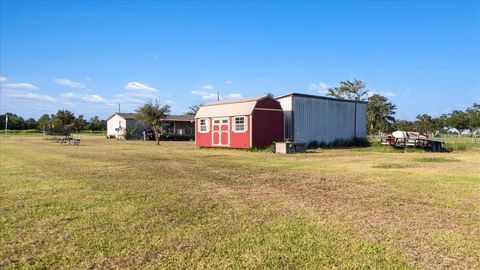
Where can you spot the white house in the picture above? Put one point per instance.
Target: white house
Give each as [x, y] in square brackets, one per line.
[118, 123]
[177, 127]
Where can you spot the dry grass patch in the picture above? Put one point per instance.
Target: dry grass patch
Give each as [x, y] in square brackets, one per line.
[137, 205]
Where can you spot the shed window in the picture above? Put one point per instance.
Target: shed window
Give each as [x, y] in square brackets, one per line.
[203, 127]
[240, 124]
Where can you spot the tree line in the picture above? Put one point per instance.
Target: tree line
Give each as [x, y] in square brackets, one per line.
[54, 122]
[381, 113]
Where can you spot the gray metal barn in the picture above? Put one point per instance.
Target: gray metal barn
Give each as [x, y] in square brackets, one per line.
[323, 119]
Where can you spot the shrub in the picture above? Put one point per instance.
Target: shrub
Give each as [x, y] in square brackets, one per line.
[313, 144]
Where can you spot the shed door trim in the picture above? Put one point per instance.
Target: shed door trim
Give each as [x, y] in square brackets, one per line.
[221, 130]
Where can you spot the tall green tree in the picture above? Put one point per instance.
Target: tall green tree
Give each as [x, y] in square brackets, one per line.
[79, 123]
[31, 123]
[473, 114]
[459, 120]
[15, 122]
[353, 90]
[404, 125]
[153, 114]
[61, 121]
[380, 114]
[96, 124]
[424, 123]
[43, 122]
[65, 117]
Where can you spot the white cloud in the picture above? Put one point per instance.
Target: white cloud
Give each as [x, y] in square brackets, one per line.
[69, 95]
[81, 98]
[3, 79]
[210, 96]
[69, 83]
[24, 86]
[385, 94]
[206, 92]
[139, 86]
[95, 99]
[28, 96]
[233, 96]
[228, 82]
[321, 87]
[207, 87]
[169, 102]
[388, 94]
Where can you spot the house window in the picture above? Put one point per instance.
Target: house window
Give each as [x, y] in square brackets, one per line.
[240, 124]
[203, 126]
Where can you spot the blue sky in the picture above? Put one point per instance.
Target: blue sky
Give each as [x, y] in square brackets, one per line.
[88, 56]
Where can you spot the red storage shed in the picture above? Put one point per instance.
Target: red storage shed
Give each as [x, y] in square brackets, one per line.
[239, 123]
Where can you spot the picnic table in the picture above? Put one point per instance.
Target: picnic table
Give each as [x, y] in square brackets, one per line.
[69, 141]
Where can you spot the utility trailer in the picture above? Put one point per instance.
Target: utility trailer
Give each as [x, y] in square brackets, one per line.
[404, 139]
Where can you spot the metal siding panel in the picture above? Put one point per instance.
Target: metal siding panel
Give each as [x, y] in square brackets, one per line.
[286, 104]
[326, 120]
[362, 120]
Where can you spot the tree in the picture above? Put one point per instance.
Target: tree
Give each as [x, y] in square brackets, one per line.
[424, 123]
[404, 125]
[65, 117]
[15, 122]
[353, 90]
[31, 123]
[152, 114]
[459, 120]
[380, 114]
[43, 121]
[473, 114]
[61, 121]
[96, 124]
[79, 123]
[193, 109]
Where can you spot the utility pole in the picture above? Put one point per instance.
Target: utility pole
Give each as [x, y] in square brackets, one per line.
[218, 96]
[118, 107]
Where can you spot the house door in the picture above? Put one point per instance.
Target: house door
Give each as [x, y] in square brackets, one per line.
[221, 132]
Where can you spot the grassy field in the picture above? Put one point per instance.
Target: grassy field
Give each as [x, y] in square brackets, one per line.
[132, 204]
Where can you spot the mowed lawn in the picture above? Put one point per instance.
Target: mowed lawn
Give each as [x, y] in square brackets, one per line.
[132, 204]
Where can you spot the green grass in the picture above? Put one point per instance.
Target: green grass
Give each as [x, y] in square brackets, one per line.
[132, 204]
[436, 159]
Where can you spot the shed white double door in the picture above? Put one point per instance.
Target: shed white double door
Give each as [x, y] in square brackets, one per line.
[221, 132]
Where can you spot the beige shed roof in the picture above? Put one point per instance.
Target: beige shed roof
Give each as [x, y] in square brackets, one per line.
[231, 107]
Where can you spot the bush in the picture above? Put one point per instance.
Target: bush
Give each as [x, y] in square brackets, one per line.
[313, 144]
[131, 133]
[354, 142]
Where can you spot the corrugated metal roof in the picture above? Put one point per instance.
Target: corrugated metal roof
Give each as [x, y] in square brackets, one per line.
[231, 107]
[180, 118]
[319, 97]
[126, 116]
[237, 100]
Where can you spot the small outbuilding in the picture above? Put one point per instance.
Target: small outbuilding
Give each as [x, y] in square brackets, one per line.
[176, 127]
[310, 118]
[239, 123]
